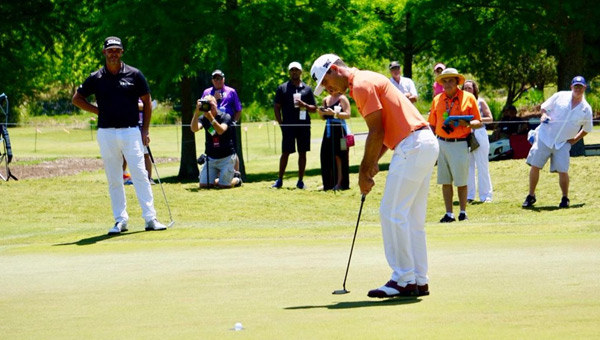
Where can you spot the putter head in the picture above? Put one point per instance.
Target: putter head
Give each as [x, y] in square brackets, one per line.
[340, 292]
[170, 224]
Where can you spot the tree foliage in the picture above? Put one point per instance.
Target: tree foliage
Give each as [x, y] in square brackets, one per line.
[49, 46]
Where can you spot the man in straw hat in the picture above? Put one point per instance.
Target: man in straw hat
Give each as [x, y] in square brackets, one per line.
[453, 160]
[394, 123]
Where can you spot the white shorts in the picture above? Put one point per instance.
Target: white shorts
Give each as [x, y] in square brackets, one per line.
[559, 159]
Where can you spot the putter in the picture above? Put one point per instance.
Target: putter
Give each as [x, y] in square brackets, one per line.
[343, 290]
[161, 187]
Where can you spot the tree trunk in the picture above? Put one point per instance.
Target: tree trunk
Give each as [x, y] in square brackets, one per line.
[188, 167]
[510, 95]
[409, 50]
[235, 78]
[570, 61]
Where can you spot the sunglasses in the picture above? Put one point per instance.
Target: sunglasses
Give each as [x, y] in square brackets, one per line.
[395, 68]
[217, 78]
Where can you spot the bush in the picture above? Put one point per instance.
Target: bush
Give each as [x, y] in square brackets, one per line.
[165, 114]
[256, 112]
[496, 107]
[594, 100]
[529, 100]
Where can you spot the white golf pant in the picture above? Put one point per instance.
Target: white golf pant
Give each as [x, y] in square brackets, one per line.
[114, 144]
[404, 206]
[479, 158]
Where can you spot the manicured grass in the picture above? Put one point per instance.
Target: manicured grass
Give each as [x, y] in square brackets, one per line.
[271, 258]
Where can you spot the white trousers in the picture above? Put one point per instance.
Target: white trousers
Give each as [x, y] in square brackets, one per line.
[114, 144]
[404, 206]
[479, 159]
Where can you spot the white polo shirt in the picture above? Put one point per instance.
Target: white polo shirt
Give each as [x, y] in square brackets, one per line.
[565, 121]
[406, 85]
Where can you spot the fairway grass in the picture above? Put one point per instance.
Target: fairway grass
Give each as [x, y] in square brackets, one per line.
[271, 258]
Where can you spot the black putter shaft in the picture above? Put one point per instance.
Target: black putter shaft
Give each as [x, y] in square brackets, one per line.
[161, 186]
[344, 291]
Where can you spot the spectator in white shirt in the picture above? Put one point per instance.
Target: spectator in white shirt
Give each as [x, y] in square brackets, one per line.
[405, 85]
[566, 118]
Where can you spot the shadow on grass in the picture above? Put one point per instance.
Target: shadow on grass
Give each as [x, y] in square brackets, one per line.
[554, 207]
[96, 239]
[361, 304]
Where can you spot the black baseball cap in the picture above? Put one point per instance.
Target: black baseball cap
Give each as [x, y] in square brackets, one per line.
[113, 42]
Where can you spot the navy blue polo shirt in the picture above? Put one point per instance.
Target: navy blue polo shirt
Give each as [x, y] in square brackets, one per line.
[117, 95]
[285, 97]
[219, 146]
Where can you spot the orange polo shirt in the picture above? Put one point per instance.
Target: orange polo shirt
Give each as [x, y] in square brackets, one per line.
[373, 91]
[464, 104]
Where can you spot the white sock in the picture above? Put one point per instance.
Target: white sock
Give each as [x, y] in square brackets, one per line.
[450, 214]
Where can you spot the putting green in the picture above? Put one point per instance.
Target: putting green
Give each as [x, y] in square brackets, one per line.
[485, 287]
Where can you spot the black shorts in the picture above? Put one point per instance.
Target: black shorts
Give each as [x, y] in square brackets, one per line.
[295, 134]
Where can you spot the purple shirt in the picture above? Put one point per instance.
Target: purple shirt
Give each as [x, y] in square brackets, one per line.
[230, 102]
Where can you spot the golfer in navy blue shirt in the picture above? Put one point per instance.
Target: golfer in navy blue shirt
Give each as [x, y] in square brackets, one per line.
[117, 87]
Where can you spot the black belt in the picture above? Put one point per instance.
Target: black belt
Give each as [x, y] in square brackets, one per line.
[452, 139]
[421, 128]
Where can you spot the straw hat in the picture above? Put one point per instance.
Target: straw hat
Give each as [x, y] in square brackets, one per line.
[450, 73]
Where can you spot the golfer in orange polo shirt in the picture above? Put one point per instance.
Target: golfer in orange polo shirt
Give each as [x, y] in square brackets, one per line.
[453, 160]
[394, 123]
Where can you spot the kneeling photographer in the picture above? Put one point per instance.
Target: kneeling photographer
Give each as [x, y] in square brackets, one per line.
[218, 171]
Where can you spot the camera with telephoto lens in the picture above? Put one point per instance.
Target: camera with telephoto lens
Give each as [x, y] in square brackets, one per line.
[204, 105]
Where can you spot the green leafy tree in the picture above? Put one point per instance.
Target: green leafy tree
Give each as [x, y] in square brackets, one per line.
[33, 36]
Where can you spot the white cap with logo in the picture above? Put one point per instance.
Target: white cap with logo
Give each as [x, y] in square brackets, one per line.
[319, 68]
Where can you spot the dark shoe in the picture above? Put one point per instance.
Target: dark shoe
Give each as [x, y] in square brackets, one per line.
[423, 290]
[447, 219]
[462, 217]
[564, 202]
[300, 185]
[529, 201]
[278, 184]
[391, 289]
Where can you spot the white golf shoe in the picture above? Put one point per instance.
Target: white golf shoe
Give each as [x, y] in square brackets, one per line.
[155, 225]
[118, 228]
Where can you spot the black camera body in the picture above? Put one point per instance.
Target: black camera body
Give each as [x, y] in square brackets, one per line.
[202, 159]
[447, 128]
[204, 105]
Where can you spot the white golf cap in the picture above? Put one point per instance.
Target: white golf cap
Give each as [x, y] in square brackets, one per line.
[295, 64]
[319, 68]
